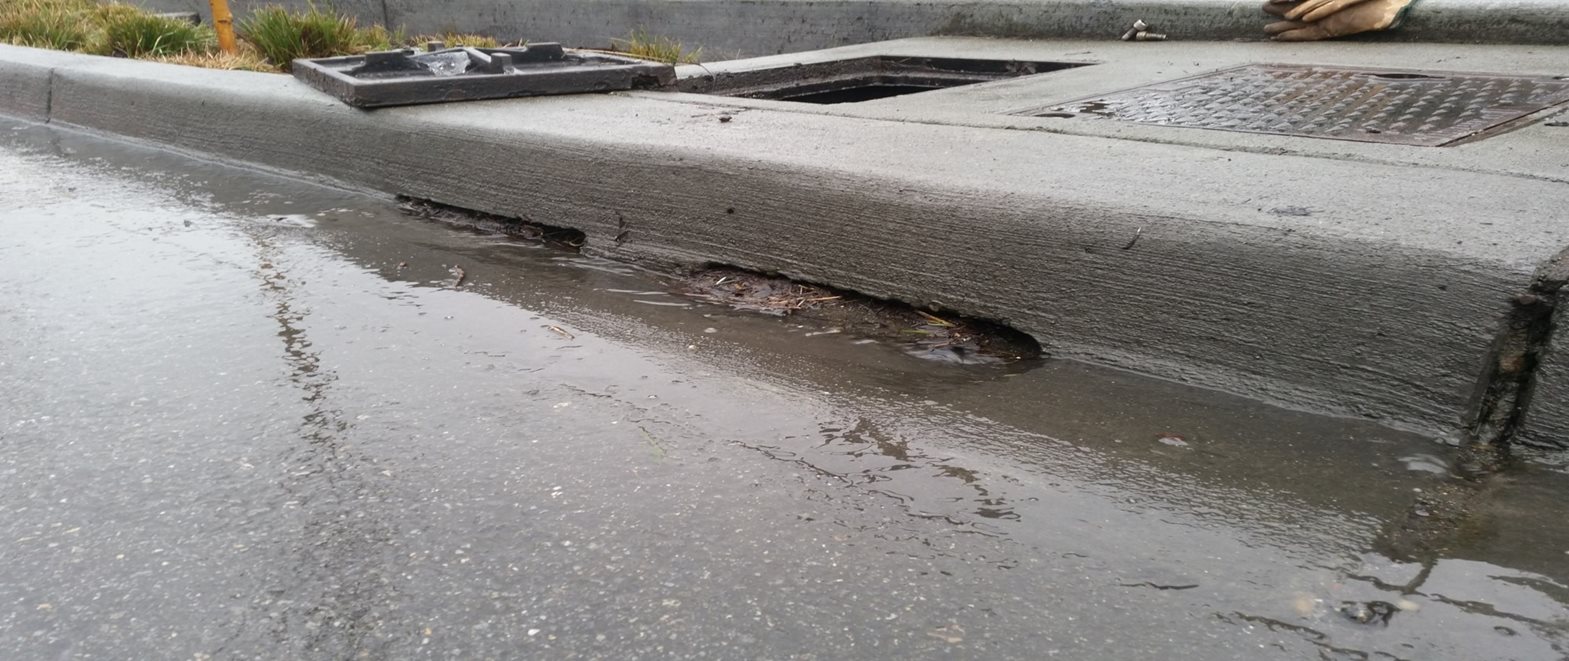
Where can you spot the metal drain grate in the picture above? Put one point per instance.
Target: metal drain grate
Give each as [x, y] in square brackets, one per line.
[1422, 108]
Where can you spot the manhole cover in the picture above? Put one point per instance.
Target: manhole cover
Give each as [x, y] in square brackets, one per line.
[1423, 108]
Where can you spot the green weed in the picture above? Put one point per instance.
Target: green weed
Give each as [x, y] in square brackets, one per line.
[660, 49]
[271, 37]
[140, 34]
[282, 36]
[247, 59]
[57, 24]
[55, 31]
[457, 39]
[378, 37]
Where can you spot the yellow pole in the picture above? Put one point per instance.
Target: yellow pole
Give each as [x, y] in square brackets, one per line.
[223, 23]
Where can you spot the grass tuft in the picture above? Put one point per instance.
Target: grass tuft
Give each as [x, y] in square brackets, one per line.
[455, 40]
[271, 37]
[57, 24]
[377, 37]
[282, 36]
[660, 49]
[113, 11]
[45, 31]
[245, 60]
[140, 34]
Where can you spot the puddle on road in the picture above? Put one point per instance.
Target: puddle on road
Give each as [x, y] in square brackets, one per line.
[430, 361]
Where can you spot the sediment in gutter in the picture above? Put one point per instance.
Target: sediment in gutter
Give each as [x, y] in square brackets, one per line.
[930, 334]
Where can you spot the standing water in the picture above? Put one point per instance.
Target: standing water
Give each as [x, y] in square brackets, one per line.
[248, 417]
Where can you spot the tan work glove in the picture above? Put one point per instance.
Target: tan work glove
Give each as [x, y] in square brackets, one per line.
[1279, 7]
[1348, 17]
[1309, 11]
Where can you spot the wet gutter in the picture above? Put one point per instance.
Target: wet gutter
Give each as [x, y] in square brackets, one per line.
[1193, 278]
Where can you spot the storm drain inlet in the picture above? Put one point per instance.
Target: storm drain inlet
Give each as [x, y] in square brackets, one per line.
[862, 78]
[1422, 108]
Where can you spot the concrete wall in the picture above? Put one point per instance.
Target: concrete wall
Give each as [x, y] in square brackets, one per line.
[727, 28]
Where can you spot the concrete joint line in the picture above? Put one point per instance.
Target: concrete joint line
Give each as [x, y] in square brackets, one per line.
[49, 96]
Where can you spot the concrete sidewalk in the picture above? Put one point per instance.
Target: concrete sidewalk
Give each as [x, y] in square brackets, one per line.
[725, 28]
[1381, 291]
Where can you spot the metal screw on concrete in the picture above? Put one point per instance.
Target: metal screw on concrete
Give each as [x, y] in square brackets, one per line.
[1140, 32]
[1138, 26]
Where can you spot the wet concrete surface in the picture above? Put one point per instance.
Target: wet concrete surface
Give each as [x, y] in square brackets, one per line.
[247, 417]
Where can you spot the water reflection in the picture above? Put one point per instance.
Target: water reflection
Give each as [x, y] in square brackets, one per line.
[1259, 519]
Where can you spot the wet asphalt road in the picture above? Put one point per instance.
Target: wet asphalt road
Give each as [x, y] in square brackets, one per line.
[246, 417]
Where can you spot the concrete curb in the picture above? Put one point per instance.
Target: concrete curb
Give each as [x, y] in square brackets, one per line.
[26, 80]
[1131, 260]
[1545, 423]
[781, 26]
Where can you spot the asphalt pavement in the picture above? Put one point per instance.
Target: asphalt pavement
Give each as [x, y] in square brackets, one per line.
[248, 417]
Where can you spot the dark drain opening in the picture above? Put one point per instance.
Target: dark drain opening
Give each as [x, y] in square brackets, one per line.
[863, 79]
[564, 238]
[857, 94]
[1406, 76]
